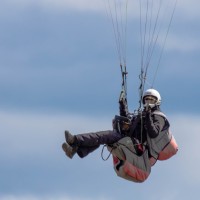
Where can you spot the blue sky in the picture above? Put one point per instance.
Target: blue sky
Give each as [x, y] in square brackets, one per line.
[59, 70]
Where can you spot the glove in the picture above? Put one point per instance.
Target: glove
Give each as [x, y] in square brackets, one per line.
[114, 124]
[147, 110]
[122, 108]
[121, 124]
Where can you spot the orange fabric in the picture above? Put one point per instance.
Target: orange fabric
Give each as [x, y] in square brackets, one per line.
[169, 151]
[134, 172]
[129, 171]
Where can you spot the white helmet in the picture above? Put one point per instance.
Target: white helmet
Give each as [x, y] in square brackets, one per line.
[154, 93]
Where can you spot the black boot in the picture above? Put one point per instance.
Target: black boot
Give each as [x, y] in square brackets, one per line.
[70, 151]
[69, 138]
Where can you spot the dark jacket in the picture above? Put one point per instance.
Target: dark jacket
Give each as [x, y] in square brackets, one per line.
[154, 123]
[149, 123]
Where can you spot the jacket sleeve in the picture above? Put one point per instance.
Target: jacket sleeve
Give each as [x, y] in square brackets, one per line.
[154, 124]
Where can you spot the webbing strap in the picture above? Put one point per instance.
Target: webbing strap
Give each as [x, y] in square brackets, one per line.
[104, 159]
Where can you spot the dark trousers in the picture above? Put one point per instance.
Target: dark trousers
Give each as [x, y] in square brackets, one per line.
[88, 142]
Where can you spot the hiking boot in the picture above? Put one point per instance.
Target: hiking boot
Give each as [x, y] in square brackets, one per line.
[69, 138]
[70, 151]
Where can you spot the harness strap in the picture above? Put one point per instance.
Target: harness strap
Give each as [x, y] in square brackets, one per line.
[104, 159]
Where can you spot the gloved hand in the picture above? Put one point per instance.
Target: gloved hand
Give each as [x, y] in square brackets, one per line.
[147, 110]
[122, 107]
[121, 124]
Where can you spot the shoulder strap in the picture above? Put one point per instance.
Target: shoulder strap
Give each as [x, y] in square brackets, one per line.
[157, 112]
[167, 124]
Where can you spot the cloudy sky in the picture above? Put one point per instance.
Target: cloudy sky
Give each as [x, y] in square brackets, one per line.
[59, 70]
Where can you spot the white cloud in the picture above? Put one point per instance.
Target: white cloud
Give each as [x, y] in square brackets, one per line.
[32, 197]
[79, 5]
[186, 130]
[186, 9]
[189, 9]
[34, 132]
[182, 43]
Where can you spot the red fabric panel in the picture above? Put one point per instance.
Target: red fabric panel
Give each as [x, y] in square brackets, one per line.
[129, 171]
